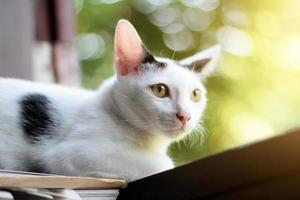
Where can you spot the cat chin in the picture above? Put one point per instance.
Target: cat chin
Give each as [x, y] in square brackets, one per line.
[177, 134]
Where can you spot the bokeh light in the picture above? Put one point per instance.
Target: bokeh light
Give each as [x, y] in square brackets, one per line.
[91, 46]
[180, 40]
[235, 41]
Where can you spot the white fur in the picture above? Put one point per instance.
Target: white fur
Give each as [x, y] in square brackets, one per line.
[121, 130]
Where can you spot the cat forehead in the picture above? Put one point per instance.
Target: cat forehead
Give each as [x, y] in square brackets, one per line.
[177, 70]
[176, 74]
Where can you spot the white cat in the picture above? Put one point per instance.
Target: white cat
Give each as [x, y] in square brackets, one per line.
[120, 131]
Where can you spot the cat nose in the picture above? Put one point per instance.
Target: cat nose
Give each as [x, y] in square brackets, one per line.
[183, 117]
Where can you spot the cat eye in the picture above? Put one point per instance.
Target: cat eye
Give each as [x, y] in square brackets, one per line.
[160, 90]
[196, 95]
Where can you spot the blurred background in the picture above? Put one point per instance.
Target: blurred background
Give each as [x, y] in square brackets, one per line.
[256, 92]
[254, 95]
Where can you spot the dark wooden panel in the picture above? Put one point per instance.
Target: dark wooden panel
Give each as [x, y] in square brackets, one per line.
[55, 20]
[285, 187]
[64, 20]
[44, 20]
[229, 171]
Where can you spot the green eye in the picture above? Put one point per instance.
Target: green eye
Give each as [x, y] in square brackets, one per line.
[160, 90]
[196, 95]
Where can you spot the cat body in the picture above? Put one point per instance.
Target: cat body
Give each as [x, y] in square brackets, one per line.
[122, 129]
[89, 135]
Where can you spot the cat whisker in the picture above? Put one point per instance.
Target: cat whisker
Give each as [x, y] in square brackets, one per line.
[197, 137]
[161, 53]
[173, 55]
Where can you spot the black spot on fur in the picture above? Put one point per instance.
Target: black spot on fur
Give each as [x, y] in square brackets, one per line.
[151, 60]
[36, 118]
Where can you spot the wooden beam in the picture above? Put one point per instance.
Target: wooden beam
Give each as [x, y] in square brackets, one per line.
[65, 62]
[56, 25]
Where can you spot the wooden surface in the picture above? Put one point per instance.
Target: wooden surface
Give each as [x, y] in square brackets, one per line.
[268, 169]
[33, 180]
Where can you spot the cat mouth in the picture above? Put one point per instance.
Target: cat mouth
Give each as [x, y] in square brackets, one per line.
[178, 128]
[181, 126]
[174, 129]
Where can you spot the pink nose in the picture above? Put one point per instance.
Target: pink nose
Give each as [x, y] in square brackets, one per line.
[183, 118]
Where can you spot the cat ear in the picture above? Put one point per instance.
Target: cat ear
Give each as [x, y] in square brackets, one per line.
[204, 62]
[129, 49]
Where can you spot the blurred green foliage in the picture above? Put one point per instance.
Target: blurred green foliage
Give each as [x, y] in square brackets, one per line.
[255, 93]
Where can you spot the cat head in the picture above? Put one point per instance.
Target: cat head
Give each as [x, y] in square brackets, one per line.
[159, 95]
